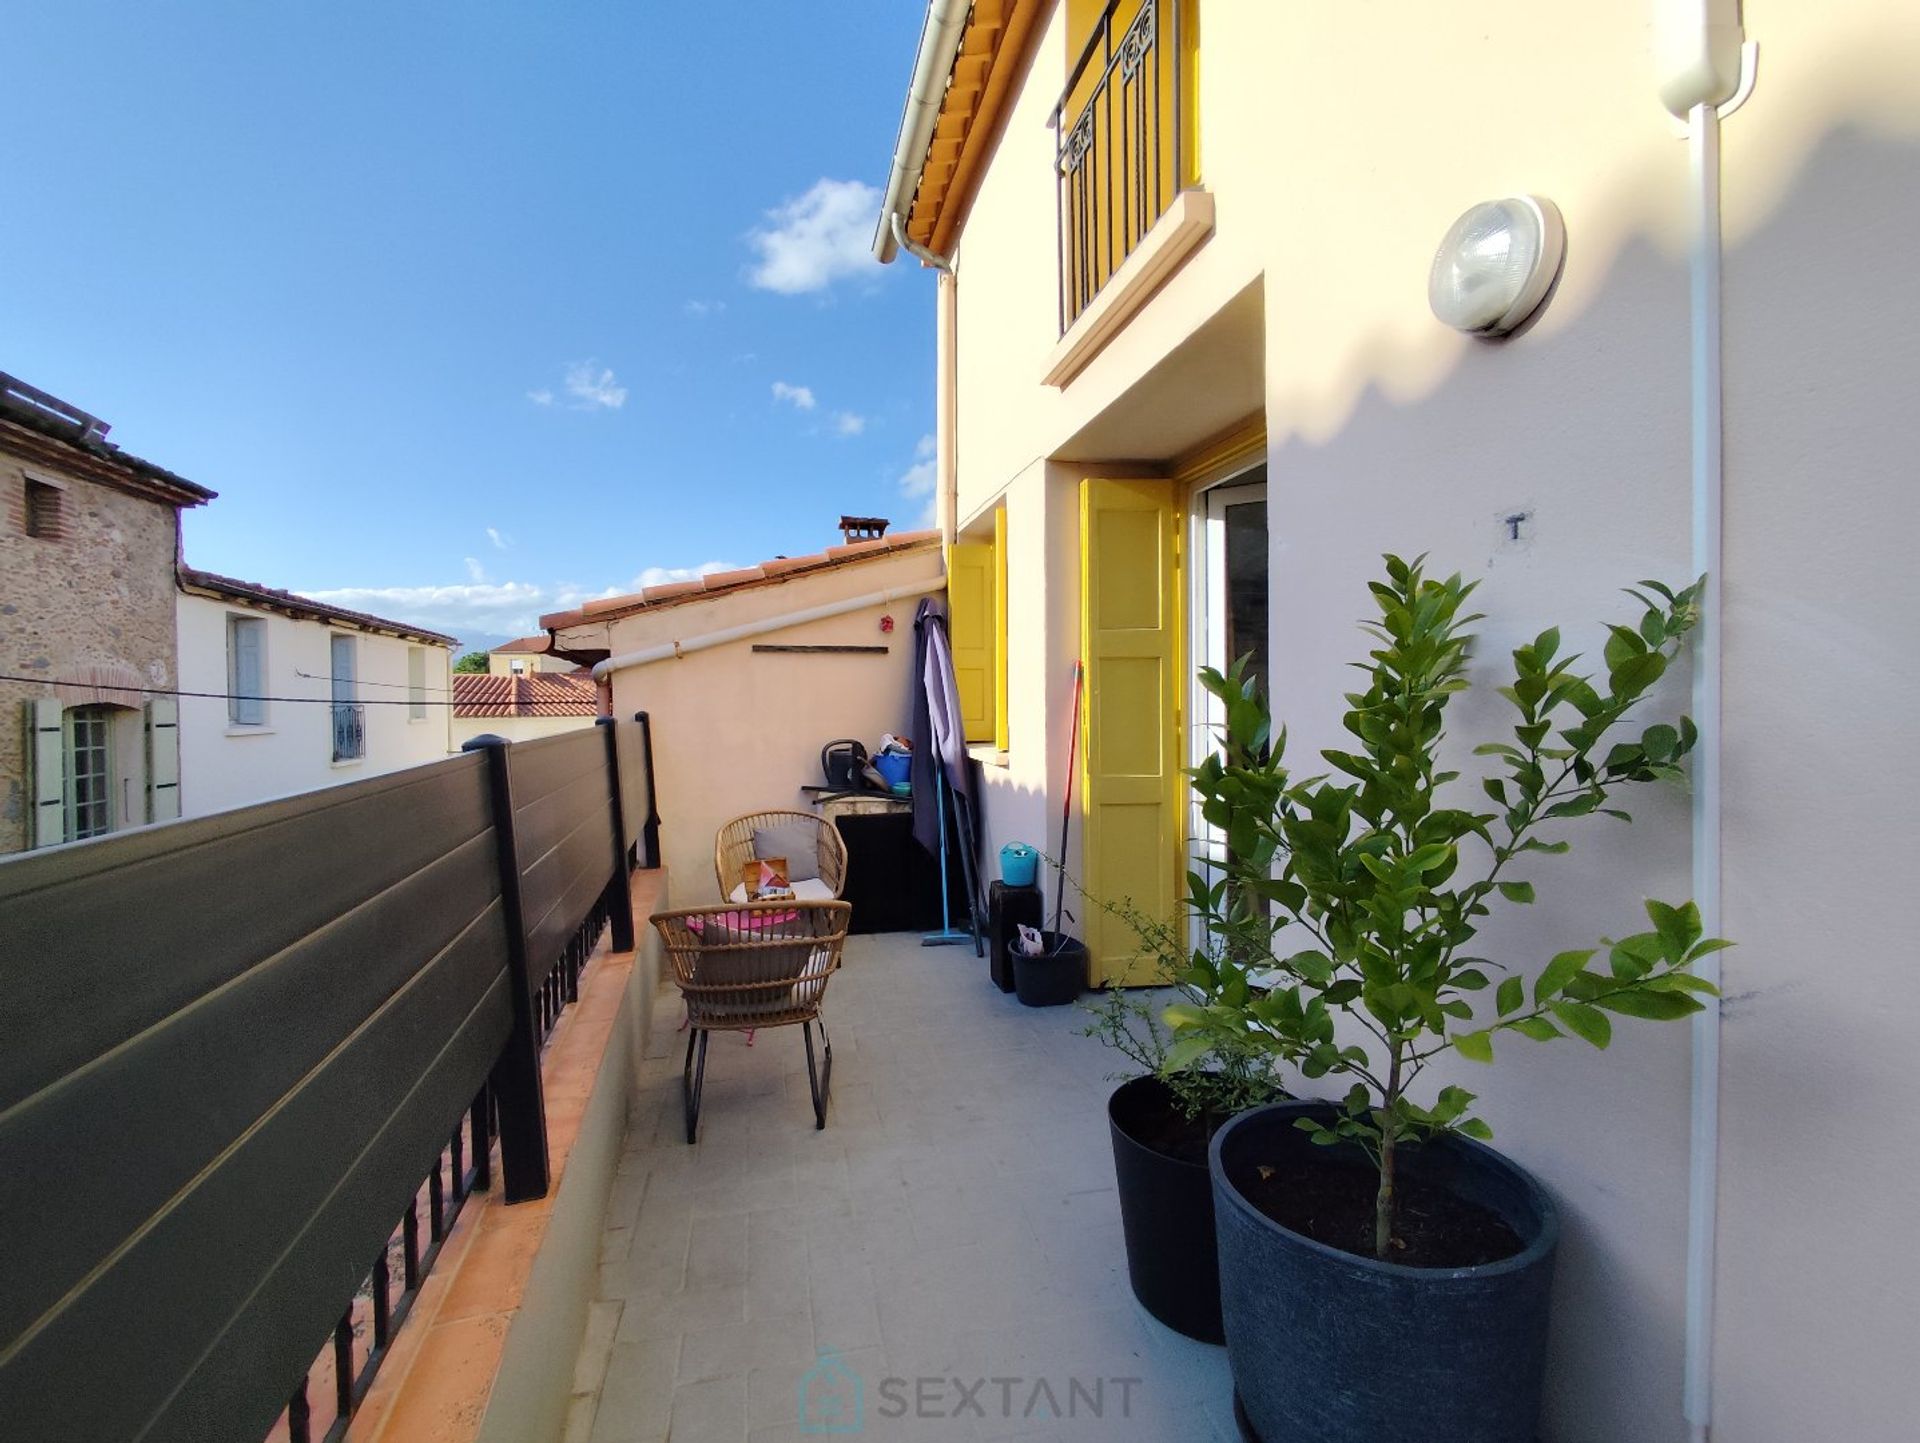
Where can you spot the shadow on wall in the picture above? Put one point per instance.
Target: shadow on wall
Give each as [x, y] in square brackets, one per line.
[1582, 430]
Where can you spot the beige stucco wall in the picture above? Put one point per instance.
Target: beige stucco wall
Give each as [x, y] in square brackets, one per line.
[501, 663]
[515, 728]
[100, 596]
[1340, 141]
[736, 731]
[223, 766]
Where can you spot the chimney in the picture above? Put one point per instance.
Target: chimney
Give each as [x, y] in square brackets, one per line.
[863, 528]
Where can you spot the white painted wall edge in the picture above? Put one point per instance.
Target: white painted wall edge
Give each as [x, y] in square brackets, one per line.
[668, 649]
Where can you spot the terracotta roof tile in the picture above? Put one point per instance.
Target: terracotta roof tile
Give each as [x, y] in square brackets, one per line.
[542, 694]
[538, 643]
[721, 582]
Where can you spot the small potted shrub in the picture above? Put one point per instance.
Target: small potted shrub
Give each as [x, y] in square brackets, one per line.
[1161, 1123]
[1385, 1274]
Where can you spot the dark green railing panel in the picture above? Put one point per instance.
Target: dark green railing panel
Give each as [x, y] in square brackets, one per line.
[158, 1109]
[139, 925]
[196, 1328]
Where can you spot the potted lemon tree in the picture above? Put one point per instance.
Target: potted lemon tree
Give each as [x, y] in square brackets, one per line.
[1385, 1273]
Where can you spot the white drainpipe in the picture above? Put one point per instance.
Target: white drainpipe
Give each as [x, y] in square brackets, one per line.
[940, 37]
[1700, 54]
[667, 650]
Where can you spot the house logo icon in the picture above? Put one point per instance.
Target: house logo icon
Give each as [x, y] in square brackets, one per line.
[828, 1398]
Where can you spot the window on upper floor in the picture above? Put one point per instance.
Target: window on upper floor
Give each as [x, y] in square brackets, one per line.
[416, 683]
[45, 510]
[1126, 131]
[247, 671]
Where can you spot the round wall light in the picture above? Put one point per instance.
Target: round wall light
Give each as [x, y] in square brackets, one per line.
[1496, 264]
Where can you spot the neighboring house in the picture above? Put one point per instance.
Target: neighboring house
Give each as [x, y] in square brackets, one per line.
[1191, 388]
[298, 695]
[88, 540]
[521, 708]
[747, 674]
[525, 656]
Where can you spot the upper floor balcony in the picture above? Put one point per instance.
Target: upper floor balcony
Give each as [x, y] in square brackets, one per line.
[1126, 137]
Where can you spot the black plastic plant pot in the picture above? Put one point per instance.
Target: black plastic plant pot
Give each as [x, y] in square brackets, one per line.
[1056, 977]
[1329, 1347]
[1166, 1211]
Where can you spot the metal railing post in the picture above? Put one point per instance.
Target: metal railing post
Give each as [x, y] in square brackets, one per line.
[619, 896]
[519, 1101]
[650, 830]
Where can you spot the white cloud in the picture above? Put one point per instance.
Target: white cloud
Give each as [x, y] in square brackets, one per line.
[801, 396]
[846, 423]
[918, 482]
[500, 542]
[665, 575]
[815, 239]
[704, 308]
[593, 386]
[588, 386]
[493, 608]
[475, 571]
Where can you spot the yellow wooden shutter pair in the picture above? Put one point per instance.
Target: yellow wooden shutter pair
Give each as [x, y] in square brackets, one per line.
[977, 627]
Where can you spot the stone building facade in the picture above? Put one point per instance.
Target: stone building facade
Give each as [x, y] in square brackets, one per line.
[89, 542]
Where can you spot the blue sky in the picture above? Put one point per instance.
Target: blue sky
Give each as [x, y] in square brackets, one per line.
[469, 310]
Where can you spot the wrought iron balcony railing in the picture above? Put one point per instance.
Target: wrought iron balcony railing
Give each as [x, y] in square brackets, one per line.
[349, 731]
[1122, 142]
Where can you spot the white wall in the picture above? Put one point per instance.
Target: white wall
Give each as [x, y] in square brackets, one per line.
[224, 766]
[1340, 140]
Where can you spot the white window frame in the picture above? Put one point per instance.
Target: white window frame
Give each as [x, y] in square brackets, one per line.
[1207, 638]
[74, 719]
[241, 712]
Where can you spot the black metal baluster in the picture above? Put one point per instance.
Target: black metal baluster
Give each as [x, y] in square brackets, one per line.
[382, 1302]
[299, 1415]
[459, 1148]
[343, 1364]
[410, 1243]
[482, 1129]
[436, 1204]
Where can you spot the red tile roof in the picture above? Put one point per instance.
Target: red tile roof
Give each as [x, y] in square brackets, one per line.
[781, 568]
[538, 643]
[570, 693]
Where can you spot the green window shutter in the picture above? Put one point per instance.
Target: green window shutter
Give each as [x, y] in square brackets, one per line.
[47, 768]
[163, 759]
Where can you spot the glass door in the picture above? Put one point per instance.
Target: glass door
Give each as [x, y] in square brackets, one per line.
[1230, 619]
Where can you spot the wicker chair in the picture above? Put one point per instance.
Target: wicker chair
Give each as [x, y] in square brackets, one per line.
[742, 968]
[733, 849]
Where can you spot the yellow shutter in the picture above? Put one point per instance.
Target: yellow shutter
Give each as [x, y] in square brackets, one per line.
[970, 626]
[1000, 628]
[1130, 641]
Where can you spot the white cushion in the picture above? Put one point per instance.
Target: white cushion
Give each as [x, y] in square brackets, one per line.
[808, 889]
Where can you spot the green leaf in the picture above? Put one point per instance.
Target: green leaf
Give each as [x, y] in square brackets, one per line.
[1516, 891]
[1678, 927]
[1183, 1015]
[1654, 1006]
[1584, 1022]
[1637, 674]
[1538, 1028]
[1475, 1046]
[1556, 974]
[1473, 1127]
[1184, 1053]
[1511, 996]
[1556, 849]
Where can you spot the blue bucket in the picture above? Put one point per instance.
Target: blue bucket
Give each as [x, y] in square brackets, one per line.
[1019, 865]
[893, 766]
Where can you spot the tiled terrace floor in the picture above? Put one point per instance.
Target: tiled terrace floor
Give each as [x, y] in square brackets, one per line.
[956, 1221]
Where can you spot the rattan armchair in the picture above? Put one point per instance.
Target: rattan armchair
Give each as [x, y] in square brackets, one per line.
[744, 967]
[733, 848]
